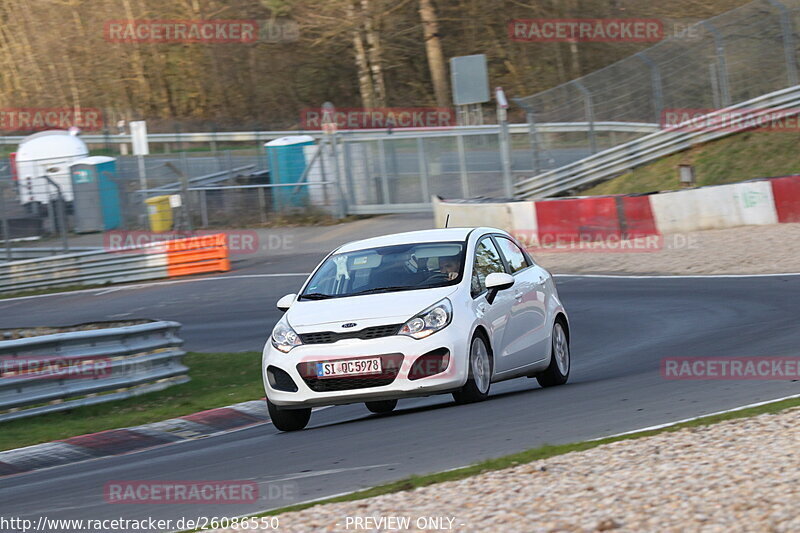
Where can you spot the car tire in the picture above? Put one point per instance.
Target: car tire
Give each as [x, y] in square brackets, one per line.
[288, 419]
[479, 380]
[557, 373]
[382, 406]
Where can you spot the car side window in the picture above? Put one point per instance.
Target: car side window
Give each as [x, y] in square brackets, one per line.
[514, 257]
[487, 261]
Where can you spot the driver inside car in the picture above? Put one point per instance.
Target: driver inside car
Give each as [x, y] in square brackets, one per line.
[450, 266]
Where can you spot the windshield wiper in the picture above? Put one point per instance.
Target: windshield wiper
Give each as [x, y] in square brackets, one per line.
[316, 296]
[382, 289]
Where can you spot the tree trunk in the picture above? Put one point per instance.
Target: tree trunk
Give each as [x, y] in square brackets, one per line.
[365, 87]
[375, 55]
[433, 49]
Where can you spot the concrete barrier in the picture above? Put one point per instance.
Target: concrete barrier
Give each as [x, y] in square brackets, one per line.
[464, 215]
[636, 216]
[722, 206]
[750, 203]
[573, 218]
[786, 193]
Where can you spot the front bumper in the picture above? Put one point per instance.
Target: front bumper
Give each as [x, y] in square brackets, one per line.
[400, 350]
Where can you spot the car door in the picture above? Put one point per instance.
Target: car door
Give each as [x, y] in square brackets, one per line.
[526, 336]
[487, 260]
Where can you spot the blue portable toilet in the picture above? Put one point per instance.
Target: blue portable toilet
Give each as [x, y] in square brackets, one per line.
[95, 194]
[287, 162]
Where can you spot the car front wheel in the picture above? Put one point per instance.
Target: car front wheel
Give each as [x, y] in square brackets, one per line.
[480, 373]
[288, 419]
[557, 373]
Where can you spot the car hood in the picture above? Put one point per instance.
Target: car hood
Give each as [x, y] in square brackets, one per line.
[367, 310]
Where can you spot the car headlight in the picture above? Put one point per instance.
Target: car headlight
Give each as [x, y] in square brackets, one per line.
[284, 338]
[431, 320]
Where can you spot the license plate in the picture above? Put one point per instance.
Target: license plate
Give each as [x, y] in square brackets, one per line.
[353, 367]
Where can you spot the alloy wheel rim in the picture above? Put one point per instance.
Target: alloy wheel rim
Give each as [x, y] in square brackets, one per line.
[561, 349]
[480, 365]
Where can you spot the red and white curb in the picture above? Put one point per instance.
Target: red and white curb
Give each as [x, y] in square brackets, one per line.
[137, 438]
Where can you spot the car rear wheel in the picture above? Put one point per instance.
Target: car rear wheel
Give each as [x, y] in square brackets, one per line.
[382, 406]
[480, 373]
[558, 371]
[288, 419]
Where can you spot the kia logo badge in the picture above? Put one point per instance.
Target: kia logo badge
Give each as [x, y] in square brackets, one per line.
[349, 325]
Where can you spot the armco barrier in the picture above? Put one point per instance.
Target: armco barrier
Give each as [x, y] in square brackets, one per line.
[205, 253]
[66, 370]
[786, 193]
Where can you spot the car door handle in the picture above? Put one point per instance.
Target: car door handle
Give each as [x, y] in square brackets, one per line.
[518, 295]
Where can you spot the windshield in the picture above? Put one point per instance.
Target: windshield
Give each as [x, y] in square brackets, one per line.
[387, 269]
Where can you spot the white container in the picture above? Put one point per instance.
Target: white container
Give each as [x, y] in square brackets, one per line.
[48, 153]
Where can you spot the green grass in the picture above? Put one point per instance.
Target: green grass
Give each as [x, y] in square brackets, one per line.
[740, 157]
[217, 380]
[528, 456]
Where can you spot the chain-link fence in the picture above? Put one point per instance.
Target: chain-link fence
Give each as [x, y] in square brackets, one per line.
[65, 197]
[400, 172]
[728, 59]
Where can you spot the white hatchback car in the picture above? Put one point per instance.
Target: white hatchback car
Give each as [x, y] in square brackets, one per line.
[414, 314]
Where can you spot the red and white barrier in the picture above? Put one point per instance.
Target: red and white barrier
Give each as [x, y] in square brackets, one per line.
[786, 193]
[768, 201]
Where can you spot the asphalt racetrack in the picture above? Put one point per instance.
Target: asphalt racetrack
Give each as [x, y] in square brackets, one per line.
[621, 329]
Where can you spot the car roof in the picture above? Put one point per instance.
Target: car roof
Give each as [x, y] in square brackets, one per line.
[430, 235]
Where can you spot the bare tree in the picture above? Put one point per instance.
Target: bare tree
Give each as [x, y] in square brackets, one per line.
[433, 50]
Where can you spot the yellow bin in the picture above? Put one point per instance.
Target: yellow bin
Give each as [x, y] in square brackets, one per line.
[160, 213]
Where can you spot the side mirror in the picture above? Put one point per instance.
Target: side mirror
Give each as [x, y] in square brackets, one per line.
[286, 302]
[496, 282]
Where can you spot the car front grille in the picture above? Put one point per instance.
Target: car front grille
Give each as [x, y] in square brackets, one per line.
[328, 337]
[389, 363]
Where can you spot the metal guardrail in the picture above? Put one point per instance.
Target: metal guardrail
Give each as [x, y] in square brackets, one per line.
[494, 129]
[615, 161]
[257, 136]
[45, 251]
[84, 268]
[62, 371]
[207, 179]
[200, 253]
